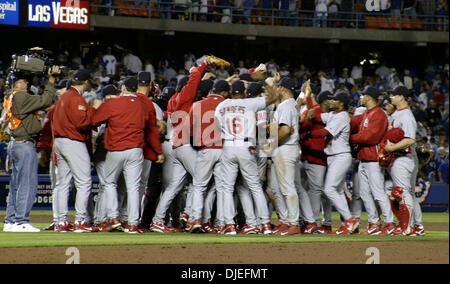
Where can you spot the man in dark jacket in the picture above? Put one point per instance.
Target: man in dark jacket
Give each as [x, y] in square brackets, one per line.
[25, 124]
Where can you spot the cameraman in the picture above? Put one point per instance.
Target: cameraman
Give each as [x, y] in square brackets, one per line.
[25, 124]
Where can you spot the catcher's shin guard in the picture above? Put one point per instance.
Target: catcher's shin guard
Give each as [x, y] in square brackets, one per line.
[395, 208]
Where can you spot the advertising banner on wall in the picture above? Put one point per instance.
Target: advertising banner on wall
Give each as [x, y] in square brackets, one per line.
[9, 12]
[65, 14]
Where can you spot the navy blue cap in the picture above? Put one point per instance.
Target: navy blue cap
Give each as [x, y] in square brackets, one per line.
[287, 83]
[221, 86]
[323, 96]
[144, 77]
[401, 91]
[83, 75]
[131, 83]
[254, 89]
[342, 97]
[371, 91]
[109, 90]
[237, 87]
[205, 86]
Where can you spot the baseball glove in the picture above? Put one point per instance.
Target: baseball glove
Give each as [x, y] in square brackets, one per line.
[384, 157]
[219, 62]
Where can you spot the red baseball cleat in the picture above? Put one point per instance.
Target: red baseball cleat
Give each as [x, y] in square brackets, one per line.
[160, 228]
[294, 230]
[372, 229]
[388, 229]
[209, 229]
[230, 229]
[196, 226]
[249, 229]
[310, 228]
[83, 227]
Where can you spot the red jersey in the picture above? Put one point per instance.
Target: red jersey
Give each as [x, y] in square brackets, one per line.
[153, 147]
[179, 106]
[127, 118]
[372, 127]
[72, 117]
[203, 127]
[313, 148]
[45, 136]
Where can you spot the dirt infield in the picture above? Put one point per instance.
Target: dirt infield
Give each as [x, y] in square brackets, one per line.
[300, 253]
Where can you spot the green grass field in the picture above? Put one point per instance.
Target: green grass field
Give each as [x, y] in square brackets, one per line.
[51, 239]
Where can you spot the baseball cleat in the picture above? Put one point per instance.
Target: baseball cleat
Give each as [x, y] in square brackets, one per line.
[281, 229]
[51, 227]
[325, 230]
[196, 226]
[143, 229]
[230, 229]
[311, 228]
[174, 230]
[103, 227]
[409, 231]
[266, 229]
[132, 229]
[184, 218]
[159, 228]
[207, 228]
[63, 227]
[83, 227]
[115, 224]
[249, 229]
[419, 230]
[219, 229]
[372, 229]
[388, 229]
[294, 230]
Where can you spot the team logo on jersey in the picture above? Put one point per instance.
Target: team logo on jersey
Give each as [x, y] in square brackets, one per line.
[81, 107]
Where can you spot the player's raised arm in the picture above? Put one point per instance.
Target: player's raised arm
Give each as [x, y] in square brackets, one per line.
[272, 94]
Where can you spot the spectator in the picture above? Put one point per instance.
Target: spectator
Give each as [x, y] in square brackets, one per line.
[320, 19]
[333, 10]
[165, 7]
[248, 5]
[409, 8]
[222, 74]
[346, 80]
[347, 7]
[383, 71]
[267, 5]
[420, 113]
[396, 6]
[283, 12]
[238, 11]
[225, 6]
[203, 10]
[326, 83]
[443, 171]
[442, 10]
[294, 6]
[149, 68]
[357, 74]
[308, 7]
[169, 73]
[423, 97]
[110, 60]
[179, 8]
[241, 68]
[434, 116]
[407, 80]
[132, 62]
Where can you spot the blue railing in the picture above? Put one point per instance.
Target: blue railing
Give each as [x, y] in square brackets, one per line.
[230, 14]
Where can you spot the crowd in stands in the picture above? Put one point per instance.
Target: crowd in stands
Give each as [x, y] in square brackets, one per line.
[317, 13]
[429, 103]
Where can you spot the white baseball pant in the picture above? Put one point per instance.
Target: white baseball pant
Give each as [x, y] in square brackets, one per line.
[207, 165]
[130, 163]
[371, 183]
[184, 159]
[306, 212]
[235, 159]
[73, 162]
[338, 165]
[274, 189]
[315, 176]
[356, 206]
[401, 171]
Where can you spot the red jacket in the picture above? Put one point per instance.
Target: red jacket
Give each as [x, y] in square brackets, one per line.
[153, 147]
[203, 123]
[179, 106]
[372, 127]
[313, 148]
[127, 119]
[72, 117]
[45, 141]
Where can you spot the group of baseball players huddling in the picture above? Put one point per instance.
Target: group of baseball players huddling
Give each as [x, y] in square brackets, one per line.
[234, 147]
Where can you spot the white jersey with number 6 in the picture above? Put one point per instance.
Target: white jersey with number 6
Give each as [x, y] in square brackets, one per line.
[237, 119]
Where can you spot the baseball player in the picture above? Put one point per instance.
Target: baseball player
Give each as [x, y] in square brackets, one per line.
[127, 118]
[371, 129]
[152, 148]
[339, 158]
[72, 136]
[209, 142]
[286, 152]
[99, 157]
[403, 165]
[183, 153]
[236, 119]
[315, 160]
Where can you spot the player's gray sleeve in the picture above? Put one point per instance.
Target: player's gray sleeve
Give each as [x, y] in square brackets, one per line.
[409, 127]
